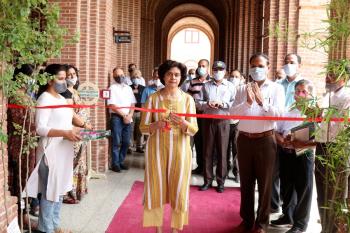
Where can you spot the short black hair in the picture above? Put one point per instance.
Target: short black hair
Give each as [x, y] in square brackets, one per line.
[256, 55]
[25, 69]
[52, 70]
[307, 83]
[131, 64]
[167, 65]
[206, 60]
[293, 54]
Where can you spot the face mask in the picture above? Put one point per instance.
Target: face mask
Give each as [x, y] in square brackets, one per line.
[235, 81]
[219, 75]
[192, 76]
[119, 79]
[202, 71]
[72, 82]
[60, 86]
[290, 69]
[158, 83]
[257, 73]
[150, 82]
[136, 81]
[332, 87]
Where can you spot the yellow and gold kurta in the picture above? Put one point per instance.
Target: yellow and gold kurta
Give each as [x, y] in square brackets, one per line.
[168, 155]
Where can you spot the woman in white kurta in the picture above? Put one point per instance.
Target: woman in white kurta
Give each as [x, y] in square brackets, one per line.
[53, 175]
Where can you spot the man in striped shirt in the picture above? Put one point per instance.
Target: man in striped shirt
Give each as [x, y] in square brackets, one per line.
[194, 88]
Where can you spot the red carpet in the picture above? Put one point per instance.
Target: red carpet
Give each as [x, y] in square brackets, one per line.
[210, 212]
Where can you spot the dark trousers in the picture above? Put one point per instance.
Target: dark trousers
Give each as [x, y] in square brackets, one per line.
[256, 160]
[121, 134]
[276, 188]
[327, 189]
[217, 134]
[198, 143]
[296, 174]
[232, 149]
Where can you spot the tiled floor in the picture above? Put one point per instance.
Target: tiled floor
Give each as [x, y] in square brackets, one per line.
[96, 210]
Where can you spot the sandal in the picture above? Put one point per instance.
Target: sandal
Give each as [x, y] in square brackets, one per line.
[70, 200]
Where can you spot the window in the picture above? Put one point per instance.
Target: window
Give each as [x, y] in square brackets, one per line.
[191, 37]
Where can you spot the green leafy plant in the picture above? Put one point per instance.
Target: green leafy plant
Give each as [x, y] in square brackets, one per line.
[29, 34]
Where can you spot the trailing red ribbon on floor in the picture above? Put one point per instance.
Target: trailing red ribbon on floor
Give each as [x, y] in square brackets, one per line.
[208, 116]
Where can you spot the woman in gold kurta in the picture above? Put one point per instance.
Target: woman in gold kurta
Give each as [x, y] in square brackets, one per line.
[168, 154]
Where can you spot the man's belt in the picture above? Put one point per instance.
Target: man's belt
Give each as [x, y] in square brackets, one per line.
[258, 135]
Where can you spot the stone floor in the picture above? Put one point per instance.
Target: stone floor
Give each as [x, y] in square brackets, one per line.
[98, 207]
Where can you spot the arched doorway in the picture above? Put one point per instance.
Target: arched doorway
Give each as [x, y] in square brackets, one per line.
[189, 40]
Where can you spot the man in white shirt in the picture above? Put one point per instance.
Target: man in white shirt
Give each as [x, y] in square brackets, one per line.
[256, 143]
[297, 176]
[338, 97]
[121, 96]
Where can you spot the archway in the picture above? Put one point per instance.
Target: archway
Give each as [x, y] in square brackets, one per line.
[189, 40]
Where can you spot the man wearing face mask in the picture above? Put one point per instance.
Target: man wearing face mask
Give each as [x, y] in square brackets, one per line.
[137, 88]
[153, 85]
[121, 96]
[291, 66]
[290, 69]
[194, 87]
[217, 98]
[337, 97]
[131, 68]
[256, 144]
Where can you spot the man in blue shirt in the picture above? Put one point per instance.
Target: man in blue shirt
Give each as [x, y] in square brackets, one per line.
[153, 85]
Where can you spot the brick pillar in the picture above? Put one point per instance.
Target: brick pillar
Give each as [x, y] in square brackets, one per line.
[92, 56]
[8, 204]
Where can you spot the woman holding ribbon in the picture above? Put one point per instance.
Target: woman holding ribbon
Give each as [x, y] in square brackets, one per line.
[53, 175]
[168, 154]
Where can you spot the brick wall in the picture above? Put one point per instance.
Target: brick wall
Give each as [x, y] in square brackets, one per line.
[8, 204]
[127, 17]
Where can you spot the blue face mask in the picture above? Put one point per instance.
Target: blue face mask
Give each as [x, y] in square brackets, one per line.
[202, 71]
[60, 87]
[136, 81]
[258, 73]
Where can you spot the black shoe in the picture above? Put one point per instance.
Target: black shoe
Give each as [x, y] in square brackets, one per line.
[281, 222]
[116, 169]
[205, 187]
[123, 167]
[295, 230]
[139, 150]
[197, 171]
[220, 188]
[274, 211]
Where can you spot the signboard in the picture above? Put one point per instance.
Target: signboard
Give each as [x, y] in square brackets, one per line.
[89, 93]
[105, 94]
[126, 38]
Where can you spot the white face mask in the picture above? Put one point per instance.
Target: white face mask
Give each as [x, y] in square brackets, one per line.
[219, 75]
[72, 81]
[193, 76]
[258, 73]
[150, 82]
[158, 83]
[290, 69]
[202, 71]
[235, 81]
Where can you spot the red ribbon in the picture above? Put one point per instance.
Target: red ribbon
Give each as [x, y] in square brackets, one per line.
[211, 116]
